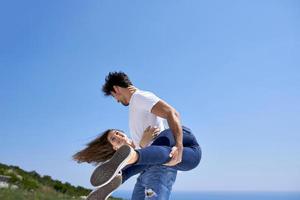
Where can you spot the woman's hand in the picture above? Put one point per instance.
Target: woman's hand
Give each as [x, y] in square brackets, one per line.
[149, 134]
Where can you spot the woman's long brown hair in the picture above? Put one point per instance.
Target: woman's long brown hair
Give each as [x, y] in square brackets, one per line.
[98, 150]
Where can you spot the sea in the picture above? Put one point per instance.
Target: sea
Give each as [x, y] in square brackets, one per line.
[222, 195]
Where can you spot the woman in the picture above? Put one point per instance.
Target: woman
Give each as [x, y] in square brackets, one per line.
[117, 153]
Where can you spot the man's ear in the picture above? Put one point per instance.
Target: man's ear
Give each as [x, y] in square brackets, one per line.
[116, 89]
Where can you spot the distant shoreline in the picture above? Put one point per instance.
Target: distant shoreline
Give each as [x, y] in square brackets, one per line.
[224, 195]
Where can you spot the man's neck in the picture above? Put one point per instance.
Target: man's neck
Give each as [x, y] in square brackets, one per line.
[131, 91]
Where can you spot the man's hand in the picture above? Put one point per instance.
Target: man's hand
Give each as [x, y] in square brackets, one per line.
[176, 155]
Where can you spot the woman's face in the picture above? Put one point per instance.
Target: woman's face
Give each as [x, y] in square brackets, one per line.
[117, 139]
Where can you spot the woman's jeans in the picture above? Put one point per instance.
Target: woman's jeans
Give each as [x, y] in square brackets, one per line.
[158, 153]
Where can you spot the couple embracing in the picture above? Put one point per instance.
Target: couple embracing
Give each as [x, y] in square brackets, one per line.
[159, 145]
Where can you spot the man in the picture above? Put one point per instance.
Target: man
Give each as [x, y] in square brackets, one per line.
[146, 109]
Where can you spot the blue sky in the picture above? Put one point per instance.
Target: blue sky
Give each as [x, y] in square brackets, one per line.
[231, 68]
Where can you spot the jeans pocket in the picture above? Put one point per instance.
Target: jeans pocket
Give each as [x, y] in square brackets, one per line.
[186, 130]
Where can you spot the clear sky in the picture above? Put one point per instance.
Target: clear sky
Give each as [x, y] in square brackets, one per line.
[231, 68]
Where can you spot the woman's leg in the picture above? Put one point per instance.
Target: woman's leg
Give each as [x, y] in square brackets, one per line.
[158, 152]
[158, 155]
[166, 138]
[131, 170]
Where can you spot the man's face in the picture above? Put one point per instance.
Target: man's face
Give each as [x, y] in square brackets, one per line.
[120, 98]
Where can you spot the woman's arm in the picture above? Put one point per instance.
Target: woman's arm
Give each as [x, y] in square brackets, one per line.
[149, 134]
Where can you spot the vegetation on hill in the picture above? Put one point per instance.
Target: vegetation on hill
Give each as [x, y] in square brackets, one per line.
[31, 185]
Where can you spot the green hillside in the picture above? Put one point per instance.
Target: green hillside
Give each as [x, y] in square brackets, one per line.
[31, 186]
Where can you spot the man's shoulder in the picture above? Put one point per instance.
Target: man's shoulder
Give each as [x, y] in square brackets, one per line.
[143, 100]
[141, 94]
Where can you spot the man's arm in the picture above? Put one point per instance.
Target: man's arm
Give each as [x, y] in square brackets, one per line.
[164, 110]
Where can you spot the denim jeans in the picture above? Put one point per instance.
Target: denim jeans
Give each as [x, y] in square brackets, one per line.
[154, 183]
[158, 153]
[156, 180]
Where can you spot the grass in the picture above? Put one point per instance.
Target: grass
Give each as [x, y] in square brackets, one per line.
[32, 186]
[44, 193]
[41, 194]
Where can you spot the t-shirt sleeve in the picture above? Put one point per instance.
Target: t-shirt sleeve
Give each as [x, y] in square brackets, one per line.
[146, 101]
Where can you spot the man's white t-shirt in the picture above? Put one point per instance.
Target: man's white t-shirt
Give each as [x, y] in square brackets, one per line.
[140, 116]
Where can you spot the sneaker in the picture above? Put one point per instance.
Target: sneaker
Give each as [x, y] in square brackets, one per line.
[103, 192]
[105, 172]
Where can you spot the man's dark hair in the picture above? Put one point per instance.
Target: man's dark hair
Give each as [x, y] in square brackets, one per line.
[117, 79]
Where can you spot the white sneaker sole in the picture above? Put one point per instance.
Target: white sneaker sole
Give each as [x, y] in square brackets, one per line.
[105, 172]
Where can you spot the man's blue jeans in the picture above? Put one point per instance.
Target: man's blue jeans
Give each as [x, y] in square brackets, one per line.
[154, 183]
